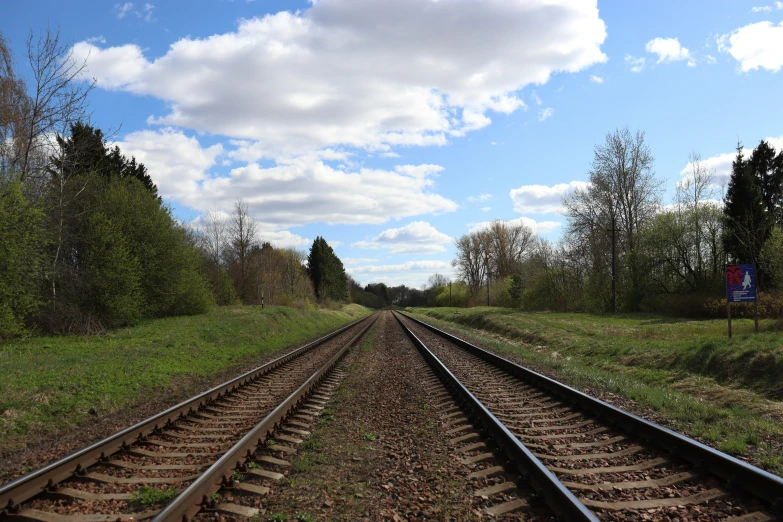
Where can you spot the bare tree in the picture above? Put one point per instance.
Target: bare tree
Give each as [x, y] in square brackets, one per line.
[242, 235]
[58, 97]
[295, 267]
[214, 238]
[509, 244]
[623, 195]
[469, 261]
[14, 104]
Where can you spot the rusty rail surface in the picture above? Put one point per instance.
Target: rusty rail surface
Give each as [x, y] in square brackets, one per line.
[19, 490]
[737, 474]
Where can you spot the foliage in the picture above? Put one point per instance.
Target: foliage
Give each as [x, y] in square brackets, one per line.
[149, 496]
[326, 271]
[772, 257]
[22, 244]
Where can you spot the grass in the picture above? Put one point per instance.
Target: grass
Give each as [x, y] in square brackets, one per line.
[51, 385]
[652, 342]
[648, 359]
[149, 496]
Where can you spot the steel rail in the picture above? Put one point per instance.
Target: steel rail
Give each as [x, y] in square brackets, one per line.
[19, 490]
[738, 474]
[560, 500]
[196, 496]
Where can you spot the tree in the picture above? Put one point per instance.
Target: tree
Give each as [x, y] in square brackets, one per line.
[766, 168]
[22, 258]
[242, 237]
[748, 224]
[326, 271]
[14, 104]
[622, 196]
[59, 96]
[470, 262]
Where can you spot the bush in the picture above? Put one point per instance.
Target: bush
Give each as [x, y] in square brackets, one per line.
[22, 258]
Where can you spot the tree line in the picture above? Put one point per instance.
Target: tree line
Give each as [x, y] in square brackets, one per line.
[623, 250]
[87, 244]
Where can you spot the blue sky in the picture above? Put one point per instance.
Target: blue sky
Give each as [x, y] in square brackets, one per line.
[391, 127]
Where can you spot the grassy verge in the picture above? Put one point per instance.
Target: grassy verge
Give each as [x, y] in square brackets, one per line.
[640, 358]
[51, 385]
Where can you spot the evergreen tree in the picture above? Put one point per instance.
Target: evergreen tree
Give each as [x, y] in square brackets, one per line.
[767, 169]
[747, 224]
[326, 271]
[85, 150]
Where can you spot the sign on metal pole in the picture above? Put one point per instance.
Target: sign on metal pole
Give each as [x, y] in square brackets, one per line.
[741, 288]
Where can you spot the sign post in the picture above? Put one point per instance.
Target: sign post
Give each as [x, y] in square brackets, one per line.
[741, 288]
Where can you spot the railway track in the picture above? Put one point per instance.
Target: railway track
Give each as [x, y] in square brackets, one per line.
[190, 451]
[585, 458]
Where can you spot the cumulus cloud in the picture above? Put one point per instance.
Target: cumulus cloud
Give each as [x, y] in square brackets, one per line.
[177, 162]
[412, 273]
[635, 64]
[543, 114]
[348, 261]
[357, 74]
[300, 191]
[755, 46]
[417, 237]
[542, 198]
[596, 79]
[540, 227]
[668, 50]
[720, 164]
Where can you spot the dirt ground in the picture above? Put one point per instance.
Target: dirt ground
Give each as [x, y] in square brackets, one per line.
[383, 455]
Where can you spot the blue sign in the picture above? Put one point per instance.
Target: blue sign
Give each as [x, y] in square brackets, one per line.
[741, 283]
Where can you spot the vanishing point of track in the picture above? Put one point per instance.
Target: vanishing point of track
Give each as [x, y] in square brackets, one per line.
[586, 459]
[193, 449]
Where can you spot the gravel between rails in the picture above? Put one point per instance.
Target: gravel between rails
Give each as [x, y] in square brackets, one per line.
[506, 397]
[385, 455]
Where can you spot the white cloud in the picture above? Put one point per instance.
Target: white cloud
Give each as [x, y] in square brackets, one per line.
[177, 163]
[540, 227]
[597, 79]
[417, 237]
[536, 98]
[300, 191]
[767, 8]
[635, 64]
[667, 49]
[286, 239]
[755, 46]
[412, 273]
[480, 198]
[293, 82]
[486, 209]
[720, 164]
[123, 9]
[542, 198]
[543, 114]
[348, 261]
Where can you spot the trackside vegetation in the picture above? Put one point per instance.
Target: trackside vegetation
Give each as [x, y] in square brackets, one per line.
[722, 392]
[52, 384]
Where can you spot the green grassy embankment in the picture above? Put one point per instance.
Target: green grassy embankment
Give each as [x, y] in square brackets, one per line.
[51, 385]
[726, 393]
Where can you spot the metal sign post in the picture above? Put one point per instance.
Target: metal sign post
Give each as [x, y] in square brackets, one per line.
[741, 288]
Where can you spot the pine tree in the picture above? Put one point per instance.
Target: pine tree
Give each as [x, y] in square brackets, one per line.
[767, 169]
[748, 223]
[326, 271]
